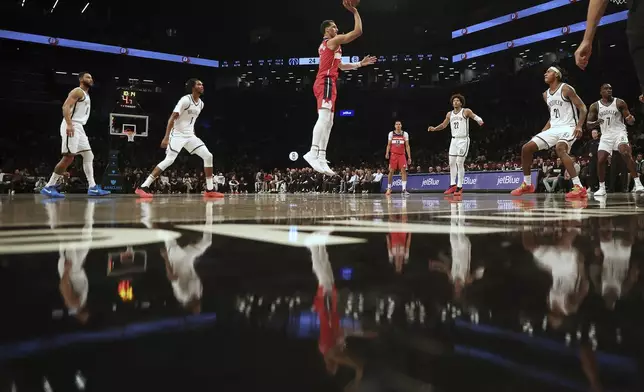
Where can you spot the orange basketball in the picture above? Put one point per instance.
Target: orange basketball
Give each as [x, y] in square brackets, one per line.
[352, 3]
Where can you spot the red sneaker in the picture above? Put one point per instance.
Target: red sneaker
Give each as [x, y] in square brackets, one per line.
[578, 192]
[522, 190]
[213, 195]
[459, 192]
[144, 192]
[451, 190]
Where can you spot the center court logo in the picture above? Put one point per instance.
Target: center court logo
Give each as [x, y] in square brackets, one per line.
[430, 182]
[508, 180]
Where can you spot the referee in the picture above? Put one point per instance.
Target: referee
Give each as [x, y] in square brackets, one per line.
[634, 32]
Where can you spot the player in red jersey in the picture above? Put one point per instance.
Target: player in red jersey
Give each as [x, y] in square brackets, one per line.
[398, 241]
[324, 88]
[396, 146]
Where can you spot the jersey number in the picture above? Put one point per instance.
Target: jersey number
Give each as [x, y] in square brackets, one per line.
[191, 120]
[607, 121]
[556, 111]
[456, 125]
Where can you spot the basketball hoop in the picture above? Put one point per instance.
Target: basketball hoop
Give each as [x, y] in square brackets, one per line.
[130, 135]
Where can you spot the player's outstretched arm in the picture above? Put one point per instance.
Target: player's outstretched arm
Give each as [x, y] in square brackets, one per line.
[442, 126]
[593, 120]
[571, 94]
[470, 114]
[351, 36]
[368, 60]
[623, 107]
[596, 10]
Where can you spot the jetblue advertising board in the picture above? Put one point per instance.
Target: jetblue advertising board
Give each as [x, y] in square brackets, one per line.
[473, 181]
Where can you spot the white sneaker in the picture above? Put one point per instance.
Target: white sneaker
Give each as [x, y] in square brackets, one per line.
[313, 161]
[324, 165]
[600, 192]
[638, 188]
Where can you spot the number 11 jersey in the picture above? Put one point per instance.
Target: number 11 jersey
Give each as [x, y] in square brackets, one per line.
[188, 111]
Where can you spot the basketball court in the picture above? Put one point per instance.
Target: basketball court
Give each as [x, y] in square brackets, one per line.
[454, 286]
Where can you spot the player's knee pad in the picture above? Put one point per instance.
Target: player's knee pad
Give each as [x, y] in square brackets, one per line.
[206, 155]
[169, 160]
[88, 156]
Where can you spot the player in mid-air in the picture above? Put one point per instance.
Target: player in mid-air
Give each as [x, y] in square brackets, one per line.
[179, 135]
[567, 115]
[459, 121]
[76, 111]
[610, 114]
[397, 145]
[324, 88]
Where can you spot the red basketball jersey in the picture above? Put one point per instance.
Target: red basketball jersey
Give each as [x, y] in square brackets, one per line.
[329, 61]
[398, 142]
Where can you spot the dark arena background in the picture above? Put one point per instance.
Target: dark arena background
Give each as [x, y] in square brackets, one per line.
[271, 276]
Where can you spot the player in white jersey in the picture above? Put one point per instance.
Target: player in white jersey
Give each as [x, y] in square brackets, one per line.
[567, 116]
[458, 119]
[180, 135]
[76, 111]
[611, 115]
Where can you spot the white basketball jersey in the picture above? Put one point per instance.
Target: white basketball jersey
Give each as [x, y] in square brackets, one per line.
[563, 112]
[81, 109]
[617, 256]
[187, 286]
[613, 119]
[188, 111]
[563, 264]
[460, 243]
[460, 124]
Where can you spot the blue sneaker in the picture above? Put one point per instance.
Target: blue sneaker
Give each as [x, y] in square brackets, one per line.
[97, 191]
[52, 192]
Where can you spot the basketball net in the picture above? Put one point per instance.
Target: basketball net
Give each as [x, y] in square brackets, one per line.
[130, 135]
[128, 255]
[620, 2]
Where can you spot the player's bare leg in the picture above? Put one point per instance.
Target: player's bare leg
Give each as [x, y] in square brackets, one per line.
[144, 190]
[578, 191]
[59, 171]
[403, 174]
[602, 157]
[390, 179]
[627, 154]
[527, 152]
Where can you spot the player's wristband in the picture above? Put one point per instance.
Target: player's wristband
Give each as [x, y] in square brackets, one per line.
[356, 65]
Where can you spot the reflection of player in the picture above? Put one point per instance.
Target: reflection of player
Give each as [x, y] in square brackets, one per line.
[459, 273]
[399, 242]
[332, 337]
[74, 285]
[180, 135]
[76, 111]
[566, 266]
[324, 88]
[617, 276]
[397, 145]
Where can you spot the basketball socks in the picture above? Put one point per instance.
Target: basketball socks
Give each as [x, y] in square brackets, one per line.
[54, 179]
[527, 179]
[88, 167]
[148, 181]
[404, 186]
[322, 155]
[209, 184]
[389, 186]
[576, 181]
[602, 185]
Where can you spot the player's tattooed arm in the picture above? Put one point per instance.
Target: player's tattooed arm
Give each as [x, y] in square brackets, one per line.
[593, 117]
[623, 108]
[442, 126]
[168, 129]
[470, 114]
[570, 94]
[351, 36]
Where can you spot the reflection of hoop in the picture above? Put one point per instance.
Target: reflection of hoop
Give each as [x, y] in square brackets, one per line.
[130, 135]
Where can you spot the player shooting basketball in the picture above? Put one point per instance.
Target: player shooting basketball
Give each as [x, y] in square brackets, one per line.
[325, 91]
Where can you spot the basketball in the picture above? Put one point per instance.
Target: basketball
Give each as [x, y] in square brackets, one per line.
[352, 3]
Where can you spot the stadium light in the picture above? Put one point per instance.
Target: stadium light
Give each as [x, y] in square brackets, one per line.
[530, 39]
[84, 8]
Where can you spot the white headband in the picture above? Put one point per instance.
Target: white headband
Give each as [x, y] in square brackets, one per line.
[555, 70]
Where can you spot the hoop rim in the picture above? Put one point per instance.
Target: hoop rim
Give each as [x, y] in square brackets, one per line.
[130, 135]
